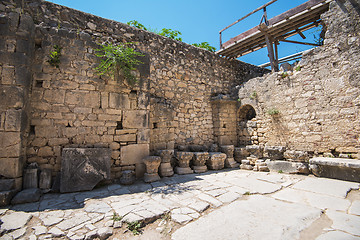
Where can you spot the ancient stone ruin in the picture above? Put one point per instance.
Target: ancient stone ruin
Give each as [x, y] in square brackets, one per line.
[190, 111]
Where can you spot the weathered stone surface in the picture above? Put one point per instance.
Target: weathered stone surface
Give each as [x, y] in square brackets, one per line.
[313, 199]
[27, 196]
[15, 220]
[136, 119]
[5, 197]
[11, 167]
[216, 161]
[7, 184]
[327, 186]
[166, 169]
[45, 179]
[184, 158]
[166, 155]
[240, 153]
[134, 153]
[200, 158]
[127, 177]
[280, 225]
[296, 156]
[339, 168]
[255, 151]
[230, 163]
[104, 233]
[199, 169]
[83, 168]
[183, 170]
[355, 208]
[31, 179]
[228, 150]
[274, 152]
[152, 164]
[287, 167]
[344, 222]
[336, 235]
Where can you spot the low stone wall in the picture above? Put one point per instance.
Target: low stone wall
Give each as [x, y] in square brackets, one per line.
[316, 107]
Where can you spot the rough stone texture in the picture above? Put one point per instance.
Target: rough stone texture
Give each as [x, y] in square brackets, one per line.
[296, 156]
[199, 161]
[27, 196]
[280, 226]
[152, 164]
[339, 168]
[274, 152]
[7, 184]
[31, 179]
[5, 197]
[216, 161]
[15, 220]
[287, 167]
[83, 168]
[45, 179]
[319, 104]
[240, 153]
[255, 151]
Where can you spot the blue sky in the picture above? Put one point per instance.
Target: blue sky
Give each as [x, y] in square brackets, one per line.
[197, 20]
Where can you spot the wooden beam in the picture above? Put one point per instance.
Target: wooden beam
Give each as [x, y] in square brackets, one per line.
[301, 34]
[291, 41]
[256, 10]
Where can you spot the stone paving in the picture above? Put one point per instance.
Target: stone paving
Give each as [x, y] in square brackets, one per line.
[214, 205]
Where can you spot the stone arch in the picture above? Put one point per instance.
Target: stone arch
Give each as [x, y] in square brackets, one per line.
[245, 124]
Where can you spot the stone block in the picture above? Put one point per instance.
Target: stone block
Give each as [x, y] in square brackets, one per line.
[240, 153]
[136, 119]
[83, 168]
[127, 177]
[139, 170]
[166, 169]
[287, 167]
[13, 120]
[183, 170]
[125, 138]
[338, 168]
[83, 98]
[134, 153]
[31, 178]
[11, 97]
[54, 96]
[274, 152]
[255, 151]
[143, 136]
[119, 101]
[296, 156]
[5, 197]
[45, 179]
[11, 167]
[216, 161]
[7, 184]
[27, 196]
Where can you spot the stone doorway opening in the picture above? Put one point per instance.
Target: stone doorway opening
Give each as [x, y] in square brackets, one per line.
[246, 124]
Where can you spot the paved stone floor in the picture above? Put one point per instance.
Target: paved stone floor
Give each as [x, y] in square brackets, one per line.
[228, 204]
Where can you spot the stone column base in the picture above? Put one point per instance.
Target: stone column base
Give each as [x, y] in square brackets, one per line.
[230, 163]
[199, 169]
[166, 169]
[182, 171]
[151, 177]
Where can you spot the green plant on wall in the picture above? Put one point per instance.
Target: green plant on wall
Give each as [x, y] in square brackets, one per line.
[273, 111]
[205, 45]
[54, 57]
[173, 34]
[118, 59]
[253, 95]
[136, 24]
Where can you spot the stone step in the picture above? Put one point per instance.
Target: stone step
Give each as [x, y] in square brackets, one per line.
[338, 168]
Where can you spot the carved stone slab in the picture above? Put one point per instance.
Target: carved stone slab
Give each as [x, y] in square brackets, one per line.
[83, 168]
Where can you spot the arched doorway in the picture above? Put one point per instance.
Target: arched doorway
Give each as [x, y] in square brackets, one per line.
[246, 124]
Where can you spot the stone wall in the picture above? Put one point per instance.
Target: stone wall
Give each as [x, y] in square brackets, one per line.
[71, 106]
[319, 102]
[16, 53]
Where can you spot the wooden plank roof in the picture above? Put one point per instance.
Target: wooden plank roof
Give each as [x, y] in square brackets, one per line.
[287, 24]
